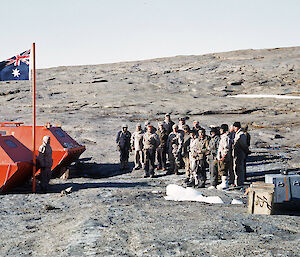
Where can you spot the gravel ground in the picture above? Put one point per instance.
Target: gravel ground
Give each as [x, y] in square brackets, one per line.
[113, 214]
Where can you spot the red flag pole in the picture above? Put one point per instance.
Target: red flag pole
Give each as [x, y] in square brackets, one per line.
[33, 126]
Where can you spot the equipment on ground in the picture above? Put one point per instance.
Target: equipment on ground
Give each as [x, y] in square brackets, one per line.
[65, 149]
[287, 187]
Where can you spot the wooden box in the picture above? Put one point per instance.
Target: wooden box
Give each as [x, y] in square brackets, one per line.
[260, 198]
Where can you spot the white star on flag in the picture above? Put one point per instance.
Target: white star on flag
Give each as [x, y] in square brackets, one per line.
[16, 72]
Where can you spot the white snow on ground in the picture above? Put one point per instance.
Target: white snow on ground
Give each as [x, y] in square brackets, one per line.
[178, 193]
[234, 201]
[265, 96]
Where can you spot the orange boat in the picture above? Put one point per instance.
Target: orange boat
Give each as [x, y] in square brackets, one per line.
[65, 149]
[15, 163]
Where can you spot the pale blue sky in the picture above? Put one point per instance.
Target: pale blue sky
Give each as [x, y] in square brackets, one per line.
[73, 32]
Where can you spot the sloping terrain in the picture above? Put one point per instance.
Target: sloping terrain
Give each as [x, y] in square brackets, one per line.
[126, 214]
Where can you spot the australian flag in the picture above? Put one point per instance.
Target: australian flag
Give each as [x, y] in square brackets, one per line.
[15, 68]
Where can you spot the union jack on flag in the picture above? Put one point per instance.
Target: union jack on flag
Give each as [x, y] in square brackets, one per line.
[16, 67]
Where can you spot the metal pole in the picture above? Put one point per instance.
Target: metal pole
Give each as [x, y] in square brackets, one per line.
[33, 125]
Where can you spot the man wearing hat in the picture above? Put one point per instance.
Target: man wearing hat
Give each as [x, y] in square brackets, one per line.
[162, 148]
[175, 140]
[150, 143]
[137, 146]
[224, 156]
[212, 157]
[168, 123]
[240, 150]
[123, 145]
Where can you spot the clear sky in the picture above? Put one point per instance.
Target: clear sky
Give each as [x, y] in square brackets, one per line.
[79, 32]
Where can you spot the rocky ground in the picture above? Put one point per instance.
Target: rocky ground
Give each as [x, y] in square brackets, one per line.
[109, 213]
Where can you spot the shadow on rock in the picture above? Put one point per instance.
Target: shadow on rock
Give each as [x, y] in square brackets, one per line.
[260, 175]
[97, 170]
[291, 208]
[253, 160]
[57, 188]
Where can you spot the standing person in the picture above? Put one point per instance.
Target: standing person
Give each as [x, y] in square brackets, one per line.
[45, 161]
[231, 136]
[162, 148]
[168, 123]
[196, 127]
[223, 156]
[146, 124]
[203, 151]
[248, 138]
[198, 151]
[212, 157]
[181, 123]
[185, 151]
[123, 145]
[150, 143]
[137, 146]
[240, 150]
[174, 147]
[194, 162]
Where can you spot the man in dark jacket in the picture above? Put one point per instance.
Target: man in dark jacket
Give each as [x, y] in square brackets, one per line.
[212, 157]
[123, 145]
[174, 149]
[162, 148]
[240, 151]
[248, 139]
[168, 123]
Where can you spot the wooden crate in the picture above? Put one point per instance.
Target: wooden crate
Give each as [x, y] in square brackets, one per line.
[260, 198]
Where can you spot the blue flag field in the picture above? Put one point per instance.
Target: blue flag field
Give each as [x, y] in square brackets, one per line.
[15, 68]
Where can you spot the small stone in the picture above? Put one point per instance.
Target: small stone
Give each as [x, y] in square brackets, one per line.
[237, 83]
[48, 207]
[278, 136]
[247, 228]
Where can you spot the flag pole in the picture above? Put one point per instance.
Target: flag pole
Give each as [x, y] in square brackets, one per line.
[34, 114]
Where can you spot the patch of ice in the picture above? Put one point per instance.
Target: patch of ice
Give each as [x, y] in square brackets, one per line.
[155, 192]
[265, 96]
[179, 193]
[234, 201]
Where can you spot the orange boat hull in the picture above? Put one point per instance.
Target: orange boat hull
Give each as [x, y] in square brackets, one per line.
[14, 174]
[65, 149]
[16, 165]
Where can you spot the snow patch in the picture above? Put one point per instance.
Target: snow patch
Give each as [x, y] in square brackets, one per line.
[265, 96]
[179, 193]
[235, 201]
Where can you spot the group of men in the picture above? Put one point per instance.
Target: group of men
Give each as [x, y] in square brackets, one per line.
[224, 151]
